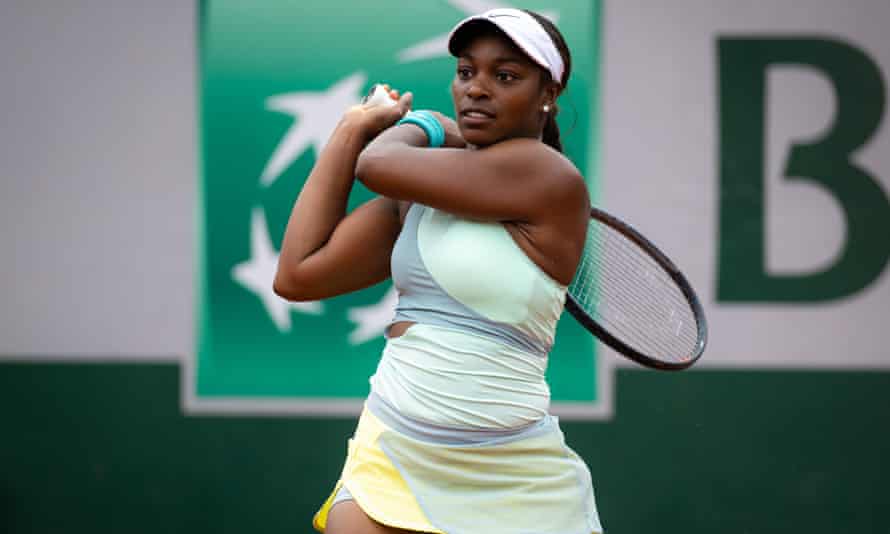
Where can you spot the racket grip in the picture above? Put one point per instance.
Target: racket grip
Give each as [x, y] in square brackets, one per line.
[379, 96]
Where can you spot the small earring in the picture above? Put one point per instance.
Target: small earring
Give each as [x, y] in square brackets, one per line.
[546, 108]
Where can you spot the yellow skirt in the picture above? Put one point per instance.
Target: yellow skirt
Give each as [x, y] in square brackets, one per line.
[375, 483]
[494, 486]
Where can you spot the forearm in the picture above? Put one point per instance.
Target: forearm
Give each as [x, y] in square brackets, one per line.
[322, 203]
[387, 145]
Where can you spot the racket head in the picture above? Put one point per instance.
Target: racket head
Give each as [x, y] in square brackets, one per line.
[633, 298]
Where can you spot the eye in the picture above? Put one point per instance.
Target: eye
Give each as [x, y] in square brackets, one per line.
[506, 76]
[464, 73]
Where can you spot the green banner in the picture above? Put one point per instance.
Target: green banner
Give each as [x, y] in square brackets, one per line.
[275, 78]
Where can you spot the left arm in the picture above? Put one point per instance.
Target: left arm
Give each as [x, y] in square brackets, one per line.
[514, 180]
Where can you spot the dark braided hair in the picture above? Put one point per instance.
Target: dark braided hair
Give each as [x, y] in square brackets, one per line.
[551, 129]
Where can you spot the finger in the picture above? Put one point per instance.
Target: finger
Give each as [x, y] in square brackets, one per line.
[405, 102]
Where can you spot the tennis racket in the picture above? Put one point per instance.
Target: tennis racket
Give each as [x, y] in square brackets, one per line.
[633, 298]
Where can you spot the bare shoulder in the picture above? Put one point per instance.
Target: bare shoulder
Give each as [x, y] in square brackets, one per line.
[554, 176]
[558, 206]
[534, 156]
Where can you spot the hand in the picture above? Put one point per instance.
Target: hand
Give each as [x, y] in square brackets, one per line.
[370, 120]
[453, 138]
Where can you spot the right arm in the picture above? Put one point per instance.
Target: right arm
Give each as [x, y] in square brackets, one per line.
[326, 252]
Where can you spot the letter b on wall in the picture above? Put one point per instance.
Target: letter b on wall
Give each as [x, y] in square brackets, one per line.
[827, 162]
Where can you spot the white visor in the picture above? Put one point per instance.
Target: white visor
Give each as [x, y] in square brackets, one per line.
[526, 32]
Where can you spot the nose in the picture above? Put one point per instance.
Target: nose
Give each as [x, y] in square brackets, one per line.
[477, 89]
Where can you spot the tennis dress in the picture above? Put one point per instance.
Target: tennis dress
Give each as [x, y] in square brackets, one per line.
[455, 436]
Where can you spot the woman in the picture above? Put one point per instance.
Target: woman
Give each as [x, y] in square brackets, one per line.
[481, 237]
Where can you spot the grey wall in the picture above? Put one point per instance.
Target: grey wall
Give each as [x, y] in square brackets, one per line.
[98, 160]
[661, 130]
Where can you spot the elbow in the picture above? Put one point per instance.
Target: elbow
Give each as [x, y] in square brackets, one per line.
[283, 287]
[368, 167]
[287, 287]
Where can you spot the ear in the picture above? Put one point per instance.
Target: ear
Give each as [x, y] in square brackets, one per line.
[551, 92]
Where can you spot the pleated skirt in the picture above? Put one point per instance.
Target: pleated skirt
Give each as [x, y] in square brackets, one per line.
[529, 482]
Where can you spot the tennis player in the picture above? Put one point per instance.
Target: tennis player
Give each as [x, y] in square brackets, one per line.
[480, 223]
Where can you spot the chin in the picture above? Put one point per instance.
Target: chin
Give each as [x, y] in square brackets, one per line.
[478, 138]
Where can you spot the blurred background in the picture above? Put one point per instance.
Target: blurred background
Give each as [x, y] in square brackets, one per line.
[149, 155]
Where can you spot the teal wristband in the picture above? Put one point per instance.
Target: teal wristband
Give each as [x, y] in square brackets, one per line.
[430, 125]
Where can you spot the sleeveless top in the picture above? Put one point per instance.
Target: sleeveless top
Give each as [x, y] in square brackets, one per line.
[472, 276]
[485, 317]
[458, 410]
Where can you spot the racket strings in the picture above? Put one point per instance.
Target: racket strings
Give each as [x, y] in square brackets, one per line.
[621, 323]
[588, 287]
[624, 324]
[648, 271]
[633, 320]
[622, 288]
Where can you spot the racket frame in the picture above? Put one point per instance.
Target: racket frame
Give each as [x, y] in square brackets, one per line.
[663, 261]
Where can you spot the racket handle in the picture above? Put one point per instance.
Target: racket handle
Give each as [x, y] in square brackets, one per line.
[379, 96]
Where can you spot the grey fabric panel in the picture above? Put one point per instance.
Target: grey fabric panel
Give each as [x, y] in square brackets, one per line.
[422, 300]
[342, 495]
[438, 434]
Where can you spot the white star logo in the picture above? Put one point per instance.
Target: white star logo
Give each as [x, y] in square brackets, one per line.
[371, 321]
[438, 46]
[316, 114]
[258, 273]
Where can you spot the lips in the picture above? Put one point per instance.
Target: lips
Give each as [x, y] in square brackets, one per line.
[476, 113]
[475, 117]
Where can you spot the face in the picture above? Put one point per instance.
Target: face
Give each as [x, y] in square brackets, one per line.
[498, 92]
